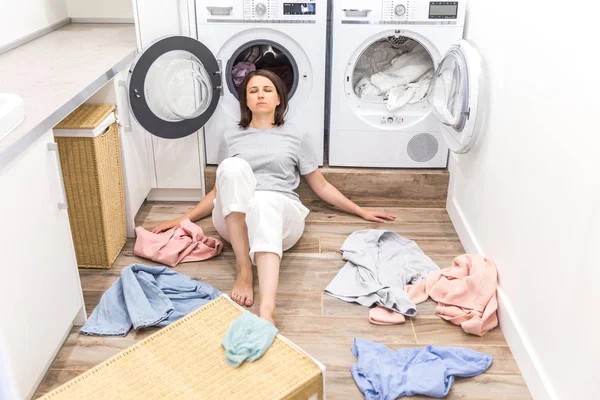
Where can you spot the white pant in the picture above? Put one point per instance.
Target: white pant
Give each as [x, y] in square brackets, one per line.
[275, 222]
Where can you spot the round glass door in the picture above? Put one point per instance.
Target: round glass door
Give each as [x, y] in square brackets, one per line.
[454, 96]
[448, 93]
[174, 87]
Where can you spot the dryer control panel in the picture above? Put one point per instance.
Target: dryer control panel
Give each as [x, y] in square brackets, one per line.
[401, 12]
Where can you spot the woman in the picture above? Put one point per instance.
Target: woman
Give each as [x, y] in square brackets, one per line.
[253, 203]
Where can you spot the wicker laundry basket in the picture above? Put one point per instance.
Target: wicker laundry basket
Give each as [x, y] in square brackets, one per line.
[90, 157]
[186, 360]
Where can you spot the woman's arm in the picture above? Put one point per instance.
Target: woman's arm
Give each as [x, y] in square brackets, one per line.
[327, 192]
[202, 209]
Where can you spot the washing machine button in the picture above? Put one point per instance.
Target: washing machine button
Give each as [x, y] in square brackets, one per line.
[260, 9]
[390, 119]
[399, 10]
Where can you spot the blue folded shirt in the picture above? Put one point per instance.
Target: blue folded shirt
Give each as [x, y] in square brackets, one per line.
[383, 374]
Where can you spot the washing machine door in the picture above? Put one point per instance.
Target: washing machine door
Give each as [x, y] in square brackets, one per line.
[174, 86]
[455, 94]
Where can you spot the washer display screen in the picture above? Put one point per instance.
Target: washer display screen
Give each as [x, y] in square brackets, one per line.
[443, 9]
[299, 8]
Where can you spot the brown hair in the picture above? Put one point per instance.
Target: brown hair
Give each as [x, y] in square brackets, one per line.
[280, 110]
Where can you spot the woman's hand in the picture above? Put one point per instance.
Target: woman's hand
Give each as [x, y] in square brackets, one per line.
[376, 215]
[167, 225]
[327, 192]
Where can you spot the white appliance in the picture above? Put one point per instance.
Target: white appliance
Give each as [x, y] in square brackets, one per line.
[183, 81]
[405, 87]
[288, 37]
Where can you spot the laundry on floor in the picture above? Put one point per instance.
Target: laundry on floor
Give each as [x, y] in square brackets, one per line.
[383, 374]
[401, 73]
[379, 264]
[248, 338]
[145, 296]
[465, 292]
[379, 315]
[186, 243]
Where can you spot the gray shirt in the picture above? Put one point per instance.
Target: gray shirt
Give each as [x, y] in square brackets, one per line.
[379, 264]
[278, 156]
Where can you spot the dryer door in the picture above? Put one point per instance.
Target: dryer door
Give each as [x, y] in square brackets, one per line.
[174, 87]
[455, 95]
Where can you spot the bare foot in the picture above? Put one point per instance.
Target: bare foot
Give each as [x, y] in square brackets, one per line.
[242, 292]
[268, 313]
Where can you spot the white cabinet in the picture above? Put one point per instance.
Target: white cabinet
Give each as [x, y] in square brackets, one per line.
[40, 291]
[136, 156]
[176, 163]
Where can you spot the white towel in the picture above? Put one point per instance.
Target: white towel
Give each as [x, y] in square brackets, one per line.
[364, 87]
[405, 69]
[411, 93]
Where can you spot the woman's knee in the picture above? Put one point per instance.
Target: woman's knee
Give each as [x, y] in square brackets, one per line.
[233, 167]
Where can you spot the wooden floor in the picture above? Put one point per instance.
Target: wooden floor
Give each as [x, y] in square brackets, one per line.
[323, 326]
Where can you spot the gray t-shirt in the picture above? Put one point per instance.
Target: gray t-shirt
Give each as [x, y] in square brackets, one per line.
[278, 156]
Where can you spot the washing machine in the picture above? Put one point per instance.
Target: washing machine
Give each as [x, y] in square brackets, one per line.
[180, 84]
[405, 87]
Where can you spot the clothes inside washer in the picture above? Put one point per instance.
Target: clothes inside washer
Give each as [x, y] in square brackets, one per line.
[240, 70]
[266, 57]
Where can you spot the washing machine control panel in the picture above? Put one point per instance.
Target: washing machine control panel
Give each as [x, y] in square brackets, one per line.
[299, 8]
[280, 11]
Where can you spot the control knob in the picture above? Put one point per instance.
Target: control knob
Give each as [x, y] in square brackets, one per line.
[399, 10]
[260, 9]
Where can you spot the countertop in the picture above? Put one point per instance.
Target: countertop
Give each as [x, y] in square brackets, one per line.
[57, 72]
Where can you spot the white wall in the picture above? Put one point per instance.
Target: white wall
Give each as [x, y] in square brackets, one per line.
[528, 195]
[101, 9]
[19, 19]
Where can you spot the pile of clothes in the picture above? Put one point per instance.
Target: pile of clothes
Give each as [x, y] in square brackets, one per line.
[402, 74]
[391, 274]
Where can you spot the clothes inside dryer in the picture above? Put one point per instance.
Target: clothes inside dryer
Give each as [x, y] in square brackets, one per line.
[263, 56]
[396, 71]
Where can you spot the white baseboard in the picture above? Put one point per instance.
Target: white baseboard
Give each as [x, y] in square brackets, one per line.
[539, 384]
[87, 20]
[175, 195]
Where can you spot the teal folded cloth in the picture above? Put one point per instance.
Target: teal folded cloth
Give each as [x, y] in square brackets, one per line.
[248, 337]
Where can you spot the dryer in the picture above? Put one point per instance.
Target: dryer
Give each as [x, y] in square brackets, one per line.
[180, 84]
[405, 87]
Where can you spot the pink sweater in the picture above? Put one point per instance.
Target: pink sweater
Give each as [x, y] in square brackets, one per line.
[465, 292]
[186, 243]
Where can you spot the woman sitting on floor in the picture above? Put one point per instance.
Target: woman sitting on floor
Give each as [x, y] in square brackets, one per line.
[253, 203]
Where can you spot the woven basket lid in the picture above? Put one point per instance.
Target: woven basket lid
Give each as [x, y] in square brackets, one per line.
[86, 116]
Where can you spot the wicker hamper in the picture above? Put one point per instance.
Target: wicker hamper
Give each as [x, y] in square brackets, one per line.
[186, 360]
[90, 157]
